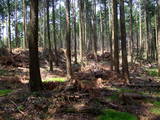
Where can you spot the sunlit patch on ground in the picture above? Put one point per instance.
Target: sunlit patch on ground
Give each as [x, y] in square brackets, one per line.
[56, 79]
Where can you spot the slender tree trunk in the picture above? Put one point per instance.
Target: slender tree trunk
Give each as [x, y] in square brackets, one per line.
[49, 40]
[115, 35]
[24, 24]
[147, 42]
[131, 32]
[75, 31]
[158, 48]
[102, 32]
[60, 18]
[110, 33]
[9, 26]
[140, 31]
[16, 25]
[123, 42]
[94, 30]
[35, 78]
[54, 33]
[81, 38]
[68, 41]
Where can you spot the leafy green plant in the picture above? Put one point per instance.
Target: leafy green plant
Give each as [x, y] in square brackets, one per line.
[110, 114]
[58, 79]
[4, 92]
[152, 72]
[156, 103]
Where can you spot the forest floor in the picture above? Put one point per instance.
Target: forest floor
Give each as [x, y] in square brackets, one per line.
[94, 93]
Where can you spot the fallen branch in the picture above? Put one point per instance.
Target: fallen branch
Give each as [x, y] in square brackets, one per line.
[17, 107]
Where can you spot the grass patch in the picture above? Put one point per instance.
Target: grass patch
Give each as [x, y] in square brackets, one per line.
[60, 79]
[110, 114]
[4, 92]
[155, 110]
[153, 72]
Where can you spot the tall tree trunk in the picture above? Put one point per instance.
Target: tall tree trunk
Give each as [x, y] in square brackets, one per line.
[147, 48]
[60, 18]
[81, 38]
[68, 41]
[16, 25]
[24, 24]
[35, 78]
[123, 42]
[131, 44]
[158, 37]
[44, 25]
[75, 33]
[115, 35]
[49, 40]
[95, 29]
[54, 33]
[9, 26]
[140, 31]
[110, 32]
[102, 32]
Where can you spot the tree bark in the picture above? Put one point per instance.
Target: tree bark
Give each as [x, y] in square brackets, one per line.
[49, 40]
[35, 78]
[110, 33]
[115, 35]
[24, 24]
[123, 42]
[94, 30]
[68, 41]
[158, 37]
[81, 38]
[16, 25]
[102, 31]
[75, 33]
[131, 49]
[54, 33]
[9, 26]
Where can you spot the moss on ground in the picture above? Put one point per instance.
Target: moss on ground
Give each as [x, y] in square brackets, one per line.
[110, 114]
[156, 108]
[4, 92]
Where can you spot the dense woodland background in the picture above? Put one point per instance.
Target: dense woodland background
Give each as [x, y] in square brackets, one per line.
[92, 49]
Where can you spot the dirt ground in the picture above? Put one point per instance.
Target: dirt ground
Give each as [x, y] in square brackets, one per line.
[93, 88]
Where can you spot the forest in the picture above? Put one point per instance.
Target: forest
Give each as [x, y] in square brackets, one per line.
[79, 59]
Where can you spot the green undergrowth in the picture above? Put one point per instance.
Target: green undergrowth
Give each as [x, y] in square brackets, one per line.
[57, 79]
[155, 109]
[4, 92]
[152, 72]
[110, 114]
